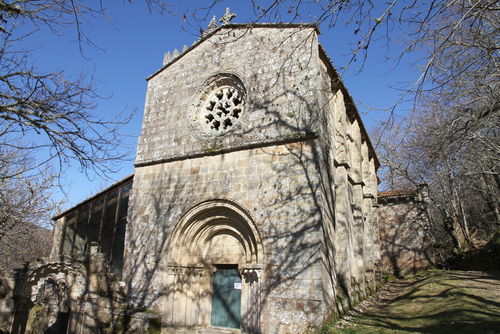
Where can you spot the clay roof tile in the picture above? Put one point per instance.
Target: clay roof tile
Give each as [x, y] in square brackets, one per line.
[397, 193]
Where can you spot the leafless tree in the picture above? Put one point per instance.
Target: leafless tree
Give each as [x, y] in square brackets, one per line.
[460, 169]
[24, 242]
[60, 108]
[26, 206]
[57, 111]
[53, 109]
[450, 140]
[414, 25]
[48, 121]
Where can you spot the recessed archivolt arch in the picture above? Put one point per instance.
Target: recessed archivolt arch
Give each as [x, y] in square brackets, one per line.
[73, 273]
[195, 231]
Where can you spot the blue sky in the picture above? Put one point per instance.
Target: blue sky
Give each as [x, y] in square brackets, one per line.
[133, 48]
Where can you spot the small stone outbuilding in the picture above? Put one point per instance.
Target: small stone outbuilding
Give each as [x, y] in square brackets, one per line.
[405, 231]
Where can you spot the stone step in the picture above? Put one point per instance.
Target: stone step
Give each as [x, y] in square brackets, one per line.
[218, 330]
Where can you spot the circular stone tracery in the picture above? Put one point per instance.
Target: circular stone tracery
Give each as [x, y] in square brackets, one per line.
[222, 109]
[217, 107]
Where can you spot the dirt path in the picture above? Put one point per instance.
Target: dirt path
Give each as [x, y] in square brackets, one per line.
[486, 284]
[383, 297]
[437, 302]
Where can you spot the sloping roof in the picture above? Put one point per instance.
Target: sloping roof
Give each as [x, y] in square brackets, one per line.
[397, 193]
[103, 192]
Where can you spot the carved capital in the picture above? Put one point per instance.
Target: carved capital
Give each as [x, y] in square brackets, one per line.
[251, 273]
[186, 270]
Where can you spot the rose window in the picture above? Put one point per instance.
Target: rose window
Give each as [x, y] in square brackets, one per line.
[217, 107]
[222, 109]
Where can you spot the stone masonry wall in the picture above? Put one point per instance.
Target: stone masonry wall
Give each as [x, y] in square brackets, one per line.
[277, 184]
[7, 307]
[252, 156]
[276, 67]
[293, 156]
[349, 174]
[405, 234]
[63, 294]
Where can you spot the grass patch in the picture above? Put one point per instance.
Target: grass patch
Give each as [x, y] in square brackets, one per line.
[154, 326]
[436, 302]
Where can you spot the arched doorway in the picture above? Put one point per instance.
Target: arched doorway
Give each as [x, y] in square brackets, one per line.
[54, 286]
[215, 256]
[226, 297]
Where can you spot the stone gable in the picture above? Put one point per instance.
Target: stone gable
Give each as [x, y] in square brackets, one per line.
[278, 71]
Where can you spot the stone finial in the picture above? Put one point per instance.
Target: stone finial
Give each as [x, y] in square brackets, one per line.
[167, 58]
[184, 48]
[226, 18]
[176, 53]
[211, 26]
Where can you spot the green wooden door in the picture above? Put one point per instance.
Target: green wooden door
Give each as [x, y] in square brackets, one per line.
[226, 298]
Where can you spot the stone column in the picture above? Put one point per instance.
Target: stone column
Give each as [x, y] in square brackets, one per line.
[251, 299]
[343, 223]
[183, 305]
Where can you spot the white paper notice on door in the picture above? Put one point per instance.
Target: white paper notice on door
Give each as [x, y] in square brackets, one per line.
[237, 286]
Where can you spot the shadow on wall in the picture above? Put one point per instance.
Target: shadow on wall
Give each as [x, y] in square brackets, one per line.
[405, 234]
[287, 215]
[273, 211]
[286, 189]
[66, 294]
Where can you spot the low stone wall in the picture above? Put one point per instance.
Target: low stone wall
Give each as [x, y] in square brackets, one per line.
[73, 294]
[7, 285]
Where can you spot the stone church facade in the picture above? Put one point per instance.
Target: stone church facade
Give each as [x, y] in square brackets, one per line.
[252, 159]
[252, 209]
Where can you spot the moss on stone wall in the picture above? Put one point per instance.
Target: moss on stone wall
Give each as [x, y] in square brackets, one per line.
[34, 319]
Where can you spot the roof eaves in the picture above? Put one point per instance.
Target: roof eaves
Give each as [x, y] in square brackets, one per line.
[397, 193]
[346, 93]
[92, 198]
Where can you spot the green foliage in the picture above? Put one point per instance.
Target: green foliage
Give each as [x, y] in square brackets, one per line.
[495, 238]
[154, 326]
[34, 319]
[123, 323]
[389, 278]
